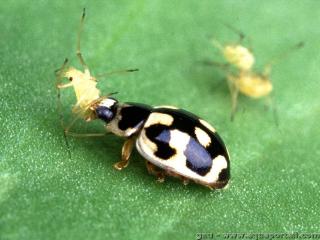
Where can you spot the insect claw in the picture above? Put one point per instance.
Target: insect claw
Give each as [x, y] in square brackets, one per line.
[160, 178]
[185, 181]
[133, 70]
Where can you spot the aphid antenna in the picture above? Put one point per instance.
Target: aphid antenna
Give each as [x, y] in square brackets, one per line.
[235, 30]
[79, 54]
[122, 71]
[283, 55]
[242, 36]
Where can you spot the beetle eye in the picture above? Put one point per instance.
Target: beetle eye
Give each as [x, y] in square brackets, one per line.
[70, 79]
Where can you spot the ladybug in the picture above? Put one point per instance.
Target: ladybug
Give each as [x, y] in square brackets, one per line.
[173, 141]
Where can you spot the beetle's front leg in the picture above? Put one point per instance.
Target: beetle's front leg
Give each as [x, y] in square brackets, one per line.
[125, 154]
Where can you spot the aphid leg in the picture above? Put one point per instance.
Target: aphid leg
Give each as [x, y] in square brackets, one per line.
[86, 134]
[125, 154]
[74, 134]
[234, 92]
[152, 169]
[59, 103]
[270, 103]
[224, 66]
[79, 54]
[64, 85]
[281, 56]
[237, 31]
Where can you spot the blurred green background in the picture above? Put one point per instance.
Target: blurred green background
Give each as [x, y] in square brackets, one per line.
[275, 170]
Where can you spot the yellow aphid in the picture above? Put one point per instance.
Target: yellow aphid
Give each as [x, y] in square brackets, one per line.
[84, 86]
[251, 84]
[241, 76]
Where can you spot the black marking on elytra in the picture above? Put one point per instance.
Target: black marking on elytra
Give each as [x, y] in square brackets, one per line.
[224, 175]
[198, 159]
[160, 135]
[133, 115]
[185, 121]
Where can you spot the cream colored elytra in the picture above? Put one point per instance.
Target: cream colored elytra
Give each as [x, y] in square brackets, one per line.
[177, 163]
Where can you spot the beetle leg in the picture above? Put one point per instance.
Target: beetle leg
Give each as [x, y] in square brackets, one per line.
[234, 92]
[184, 180]
[270, 104]
[125, 154]
[152, 169]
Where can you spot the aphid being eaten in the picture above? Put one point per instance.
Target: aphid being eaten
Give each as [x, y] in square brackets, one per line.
[83, 83]
[241, 75]
[85, 89]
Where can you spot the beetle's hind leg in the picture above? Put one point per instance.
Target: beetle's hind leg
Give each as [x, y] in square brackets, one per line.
[125, 154]
[153, 169]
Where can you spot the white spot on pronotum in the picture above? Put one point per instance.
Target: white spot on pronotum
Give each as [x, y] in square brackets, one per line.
[207, 125]
[202, 137]
[159, 118]
[108, 102]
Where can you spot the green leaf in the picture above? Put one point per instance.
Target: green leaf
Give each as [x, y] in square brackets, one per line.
[44, 194]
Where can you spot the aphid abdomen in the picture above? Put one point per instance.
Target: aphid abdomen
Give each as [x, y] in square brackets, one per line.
[252, 85]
